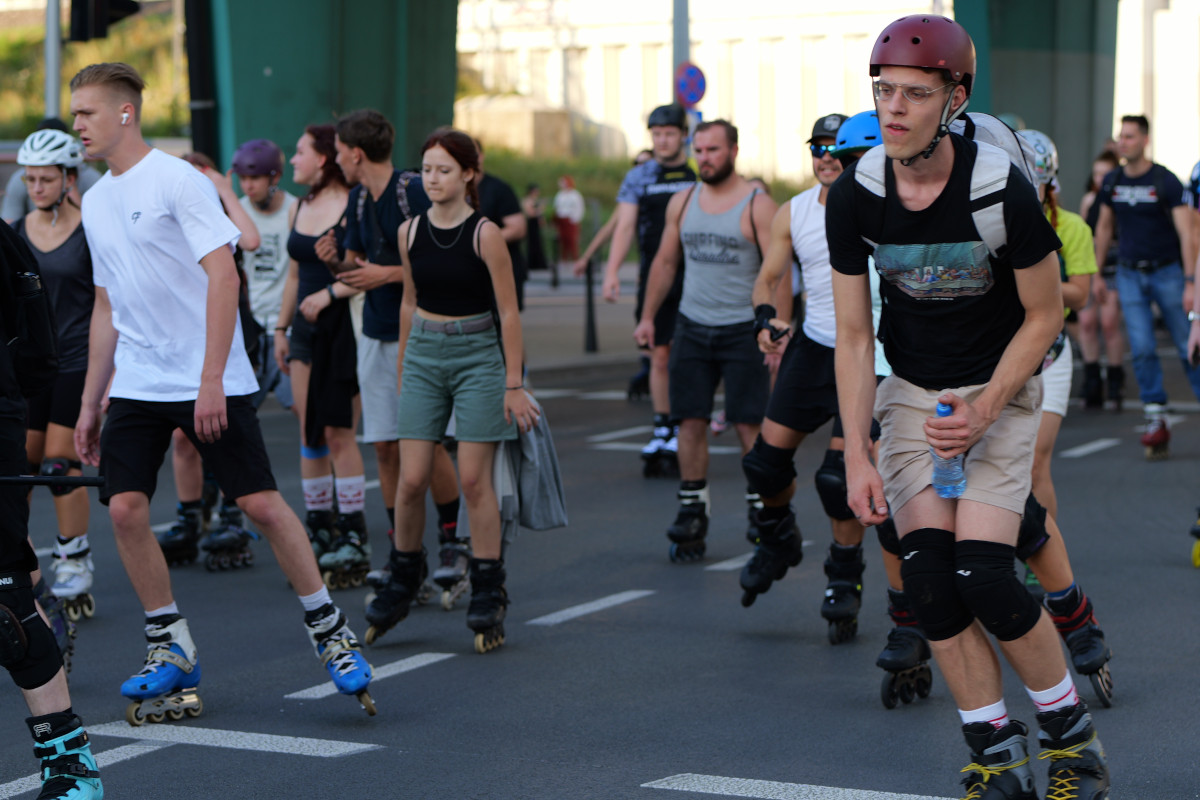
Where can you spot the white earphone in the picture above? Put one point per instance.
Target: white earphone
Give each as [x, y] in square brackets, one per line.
[125, 118]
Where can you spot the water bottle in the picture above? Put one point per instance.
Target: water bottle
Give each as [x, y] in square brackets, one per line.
[949, 480]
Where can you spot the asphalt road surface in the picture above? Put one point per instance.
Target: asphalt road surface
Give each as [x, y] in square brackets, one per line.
[624, 675]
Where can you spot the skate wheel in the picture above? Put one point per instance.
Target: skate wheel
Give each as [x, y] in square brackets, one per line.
[842, 630]
[372, 635]
[194, 711]
[155, 718]
[89, 606]
[1196, 555]
[906, 691]
[1102, 684]
[924, 681]
[175, 714]
[367, 703]
[328, 580]
[370, 598]
[887, 691]
[489, 640]
[133, 715]
[73, 612]
[748, 598]
[356, 580]
[210, 562]
[447, 601]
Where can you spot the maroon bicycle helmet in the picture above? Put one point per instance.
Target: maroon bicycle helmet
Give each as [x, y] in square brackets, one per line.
[258, 157]
[926, 42]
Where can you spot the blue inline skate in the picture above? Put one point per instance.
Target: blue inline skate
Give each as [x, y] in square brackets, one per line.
[338, 650]
[68, 767]
[165, 688]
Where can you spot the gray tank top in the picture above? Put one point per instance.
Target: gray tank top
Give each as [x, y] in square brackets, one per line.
[720, 265]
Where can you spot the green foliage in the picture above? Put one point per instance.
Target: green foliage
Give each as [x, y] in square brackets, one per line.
[142, 41]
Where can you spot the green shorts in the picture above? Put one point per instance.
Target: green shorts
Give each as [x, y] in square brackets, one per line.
[447, 370]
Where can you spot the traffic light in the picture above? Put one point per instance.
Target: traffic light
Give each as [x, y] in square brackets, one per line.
[90, 18]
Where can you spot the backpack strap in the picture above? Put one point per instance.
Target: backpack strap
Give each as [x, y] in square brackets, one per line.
[362, 202]
[402, 182]
[989, 178]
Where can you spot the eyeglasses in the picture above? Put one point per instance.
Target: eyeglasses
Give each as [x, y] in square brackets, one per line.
[913, 93]
[819, 150]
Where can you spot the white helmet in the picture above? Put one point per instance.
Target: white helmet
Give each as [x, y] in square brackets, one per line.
[50, 148]
[1045, 166]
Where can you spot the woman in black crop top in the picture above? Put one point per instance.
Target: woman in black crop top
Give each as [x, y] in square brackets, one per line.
[458, 282]
[320, 358]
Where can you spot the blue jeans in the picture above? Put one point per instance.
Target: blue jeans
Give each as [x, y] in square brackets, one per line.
[1164, 287]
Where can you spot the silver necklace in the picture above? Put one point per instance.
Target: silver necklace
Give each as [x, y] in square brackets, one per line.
[457, 236]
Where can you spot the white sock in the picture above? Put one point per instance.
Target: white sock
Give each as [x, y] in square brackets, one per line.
[351, 494]
[318, 493]
[995, 715]
[158, 612]
[1056, 697]
[312, 602]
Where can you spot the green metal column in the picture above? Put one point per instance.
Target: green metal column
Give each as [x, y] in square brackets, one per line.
[283, 64]
[1052, 63]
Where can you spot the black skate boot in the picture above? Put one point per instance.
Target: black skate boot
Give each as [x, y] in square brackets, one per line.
[690, 527]
[1076, 623]
[321, 531]
[778, 546]
[1077, 764]
[346, 562]
[1093, 386]
[61, 624]
[209, 497]
[1196, 544]
[228, 544]
[69, 770]
[660, 456]
[639, 382]
[451, 575]
[180, 544]
[489, 601]
[843, 596]
[905, 656]
[1116, 387]
[392, 601]
[999, 768]
[754, 504]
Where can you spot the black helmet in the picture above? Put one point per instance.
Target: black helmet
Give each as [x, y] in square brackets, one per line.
[668, 115]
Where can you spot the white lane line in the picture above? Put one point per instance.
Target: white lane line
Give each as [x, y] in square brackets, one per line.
[718, 450]
[233, 740]
[43, 552]
[125, 752]
[590, 608]
[327, 689]
[1089, 448]
[771, 790]
[621, 434]
[371, 484]
[553, 394]
[730, 565]
[613, 394]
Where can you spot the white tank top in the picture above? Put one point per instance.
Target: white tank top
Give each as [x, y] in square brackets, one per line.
[812, 251]
[266, 267]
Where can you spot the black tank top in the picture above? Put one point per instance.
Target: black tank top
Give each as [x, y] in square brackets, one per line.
[451, 280]
[314, 275]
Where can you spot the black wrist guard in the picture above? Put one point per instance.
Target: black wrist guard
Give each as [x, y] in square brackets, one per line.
[763, 315]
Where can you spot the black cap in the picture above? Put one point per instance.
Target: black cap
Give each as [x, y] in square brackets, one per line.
[668, 115]
[827, 126]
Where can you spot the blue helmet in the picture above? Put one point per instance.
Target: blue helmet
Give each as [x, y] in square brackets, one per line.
[860, 132]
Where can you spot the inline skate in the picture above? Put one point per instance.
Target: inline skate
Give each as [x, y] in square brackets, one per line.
[905, 657]
[73, 577]
[1076, 623]
[61, 624]
[452, 576]
[227, 546]
[392, 600]
[1077, 764]
[338, 650]
[999, 768]
[660, 456]
[1196, 544]
[348, 559]
[778, 546]
[489, 601]
[690, 527]
[68, 767]
[639, 382]
[321, 531]
[1157, 436]
[166, 686]
[843, 595]
[180, 544]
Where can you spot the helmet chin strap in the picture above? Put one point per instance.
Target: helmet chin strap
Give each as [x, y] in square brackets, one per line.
[265, 205]
[943, 128]
[61, 196]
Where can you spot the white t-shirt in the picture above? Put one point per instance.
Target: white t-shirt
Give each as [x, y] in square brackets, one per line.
[569, 203]
[808, 240]
[266, 267]
[147, 229]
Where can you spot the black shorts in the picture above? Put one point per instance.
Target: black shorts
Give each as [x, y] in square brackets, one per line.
[137, 433]
[15, 553]
[702, 356]
[58, 404]
[300, 342]
[664, 318]
[805, 394]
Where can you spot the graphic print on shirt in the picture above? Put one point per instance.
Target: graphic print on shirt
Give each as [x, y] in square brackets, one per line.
[936, 271]
[711, 248]
[265, 261]
[1134, 194]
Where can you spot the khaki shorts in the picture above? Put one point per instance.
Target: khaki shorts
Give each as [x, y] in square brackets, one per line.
[998, 465]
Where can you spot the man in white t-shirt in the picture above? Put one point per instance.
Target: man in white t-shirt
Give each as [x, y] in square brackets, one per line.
[804, 398]
[160, 242]
[258, 165]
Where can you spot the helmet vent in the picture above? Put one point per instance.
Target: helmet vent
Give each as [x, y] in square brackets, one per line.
[916, 40]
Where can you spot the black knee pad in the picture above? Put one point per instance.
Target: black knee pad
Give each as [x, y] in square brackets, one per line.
[59, 468]
[983, 572]
[1032, 535]
[769, 470]
[889, 539]
[927, 567]
[27, 647]
[830, 479]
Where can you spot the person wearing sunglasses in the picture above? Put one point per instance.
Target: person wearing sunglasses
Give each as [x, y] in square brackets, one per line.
[969, 329]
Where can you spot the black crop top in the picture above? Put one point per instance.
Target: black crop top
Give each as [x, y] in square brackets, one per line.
[450, 279]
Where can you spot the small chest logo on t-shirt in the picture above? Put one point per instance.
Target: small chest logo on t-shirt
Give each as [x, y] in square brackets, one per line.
[1134, 195]
[135, 216]
[936, 271]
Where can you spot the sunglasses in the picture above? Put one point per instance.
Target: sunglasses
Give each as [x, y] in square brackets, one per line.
[819, 150]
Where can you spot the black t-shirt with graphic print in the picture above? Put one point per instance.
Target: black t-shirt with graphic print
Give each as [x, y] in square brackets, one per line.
[949, 309]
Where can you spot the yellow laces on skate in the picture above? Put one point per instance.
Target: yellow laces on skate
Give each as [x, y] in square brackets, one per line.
[1063, 781]
[975, 790]
[341, 651]
[161, 656]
